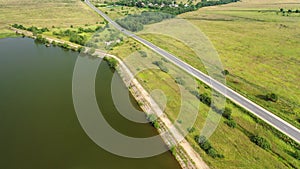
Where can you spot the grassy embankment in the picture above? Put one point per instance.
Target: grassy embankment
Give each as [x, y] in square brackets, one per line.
[255, 53]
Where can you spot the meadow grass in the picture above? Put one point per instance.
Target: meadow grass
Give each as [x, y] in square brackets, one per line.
[261, 57]
[259, 47]
[43, 13]
[233, 143]
[117, 12]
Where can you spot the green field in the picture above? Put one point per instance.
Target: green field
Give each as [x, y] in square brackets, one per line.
[258, 46]
[233, 143]
[43, 13]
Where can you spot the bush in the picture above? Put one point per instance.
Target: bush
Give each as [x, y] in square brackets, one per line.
[191, 129]
[225, 72]
[207, 147]
[79, 39]
[40, 39]
[153, 120]
[227, 113]
[65, 45]
[54, 43]
[142, 53]
[173, 150]
[261, 142]
[272, 97]
[18, 26]
[112, 62]
[204, 98]
[156, 125]
[212, 152]
[91, 51]
[161, 66]
[231, 123]
[180, 81]
[297, 154]
[80, 49]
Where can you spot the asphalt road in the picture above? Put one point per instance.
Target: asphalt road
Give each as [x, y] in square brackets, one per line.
[257, 110]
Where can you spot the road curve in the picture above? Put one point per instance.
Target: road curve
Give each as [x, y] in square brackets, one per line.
[257, 110]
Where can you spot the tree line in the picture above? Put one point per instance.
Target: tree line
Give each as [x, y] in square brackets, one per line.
[33, 29]
[136, 22]
[169, 6]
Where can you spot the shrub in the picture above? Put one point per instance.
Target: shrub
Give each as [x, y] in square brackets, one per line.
[297, 154]
[212, 152]
[142, 53]
[161, 66]
[65, 45]
[156, 125]
[112, 62]
[54, 43]
[271, 97]
[231, 123]
[261, 142]
[180, 81]
[225, 72]
[153, 120]
[80, 49]
[227, 113]
[191, 129]
[207, 147]
[18, 26]
[40, 39]
[173, 150]
[91, 51]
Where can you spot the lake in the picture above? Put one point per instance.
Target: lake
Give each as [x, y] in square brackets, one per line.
[38, 123]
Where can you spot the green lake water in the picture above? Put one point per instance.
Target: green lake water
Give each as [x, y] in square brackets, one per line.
[38, 124]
